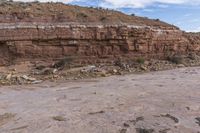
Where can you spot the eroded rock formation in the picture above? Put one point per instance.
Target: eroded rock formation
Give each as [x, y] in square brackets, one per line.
[101, 41]
[90, 42]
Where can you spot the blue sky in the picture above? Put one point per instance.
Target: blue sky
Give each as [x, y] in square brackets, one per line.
[187, 17]
[182, 13]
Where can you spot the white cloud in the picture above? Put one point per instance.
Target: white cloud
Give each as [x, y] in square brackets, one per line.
[194, 30]
[140, 3]
[163, 6]
[194, 20]
[127, 3]
[144, 3]
[187, 15]
[148, 10]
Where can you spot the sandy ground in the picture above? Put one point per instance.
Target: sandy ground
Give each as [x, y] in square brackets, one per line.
[160, 102]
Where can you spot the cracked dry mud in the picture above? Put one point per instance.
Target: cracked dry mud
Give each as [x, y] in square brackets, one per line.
[156, 102]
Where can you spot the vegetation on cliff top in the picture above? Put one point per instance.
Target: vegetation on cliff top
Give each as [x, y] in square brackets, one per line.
[59, 12]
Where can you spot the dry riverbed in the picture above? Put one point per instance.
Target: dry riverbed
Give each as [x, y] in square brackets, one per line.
[155, 102]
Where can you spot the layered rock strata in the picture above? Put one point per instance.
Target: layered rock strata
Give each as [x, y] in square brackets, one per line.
[92, 42]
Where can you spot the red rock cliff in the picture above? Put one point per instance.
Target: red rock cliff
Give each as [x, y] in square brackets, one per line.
[59, 40]
[93, 41]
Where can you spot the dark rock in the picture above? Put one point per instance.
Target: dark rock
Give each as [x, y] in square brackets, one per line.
[143, 130]
[198, 120]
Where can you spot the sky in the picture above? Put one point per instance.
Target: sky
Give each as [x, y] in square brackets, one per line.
[183, 13]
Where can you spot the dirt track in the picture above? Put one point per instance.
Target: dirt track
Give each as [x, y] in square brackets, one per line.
[160, 102]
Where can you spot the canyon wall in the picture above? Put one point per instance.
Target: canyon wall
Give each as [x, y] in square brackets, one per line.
[90, 43]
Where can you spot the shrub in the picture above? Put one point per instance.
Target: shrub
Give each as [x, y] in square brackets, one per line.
[82, 15]
[176, 59]
[103, 18]
[66, 62]
[132, 14]
[140, 60]
[192, 56]
[157, 19]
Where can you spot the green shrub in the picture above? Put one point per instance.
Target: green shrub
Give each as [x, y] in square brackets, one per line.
[83, 15]
[140, 60]
[132, 14]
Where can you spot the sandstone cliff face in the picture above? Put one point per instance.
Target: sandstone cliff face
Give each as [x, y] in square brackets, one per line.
[93, 42]
[52, 31]
[194, 39]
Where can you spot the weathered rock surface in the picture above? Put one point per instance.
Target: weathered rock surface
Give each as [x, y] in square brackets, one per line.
[26, 40]
[90, 42]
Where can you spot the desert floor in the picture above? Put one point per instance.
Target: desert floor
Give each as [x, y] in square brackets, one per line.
[160, 102]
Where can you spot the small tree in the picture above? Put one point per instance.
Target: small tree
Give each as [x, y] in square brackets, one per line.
[132, 14]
